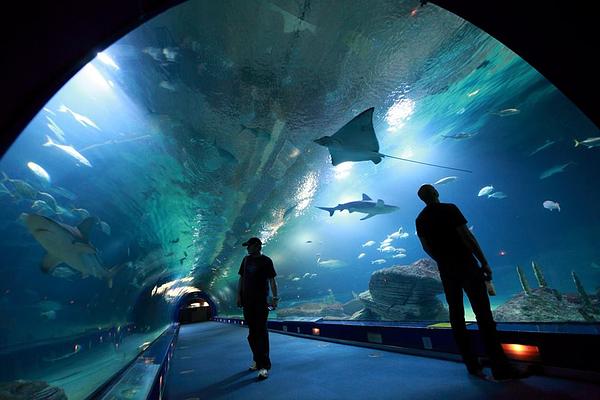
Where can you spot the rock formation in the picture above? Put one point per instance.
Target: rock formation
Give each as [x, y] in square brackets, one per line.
[404, 293]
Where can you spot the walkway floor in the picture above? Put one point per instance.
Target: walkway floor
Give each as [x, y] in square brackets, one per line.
[211, 361]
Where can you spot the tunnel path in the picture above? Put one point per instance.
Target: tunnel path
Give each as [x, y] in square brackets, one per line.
[211, 361]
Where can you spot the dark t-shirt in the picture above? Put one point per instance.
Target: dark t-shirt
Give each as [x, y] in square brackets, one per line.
[256, 272]
[437, 223]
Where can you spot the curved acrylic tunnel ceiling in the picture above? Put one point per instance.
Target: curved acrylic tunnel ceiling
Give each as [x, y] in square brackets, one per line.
[552, 38]
[196, 130]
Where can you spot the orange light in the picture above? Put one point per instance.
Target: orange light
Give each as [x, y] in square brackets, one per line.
[521, 351]
[316, 331]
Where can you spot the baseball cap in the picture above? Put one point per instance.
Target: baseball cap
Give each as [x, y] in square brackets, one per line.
[252, 240]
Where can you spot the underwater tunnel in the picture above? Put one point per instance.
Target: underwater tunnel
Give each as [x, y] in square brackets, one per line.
[144, 141]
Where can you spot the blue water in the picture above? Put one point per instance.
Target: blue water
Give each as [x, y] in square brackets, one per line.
[181, 183]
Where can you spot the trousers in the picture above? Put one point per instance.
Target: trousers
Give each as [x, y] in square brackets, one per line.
[255, 316]
[474, 286]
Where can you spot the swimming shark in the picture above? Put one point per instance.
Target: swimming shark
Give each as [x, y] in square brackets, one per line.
[70, 245]
[330, 262]
[356, 141]
[555, 170]
[365, 206]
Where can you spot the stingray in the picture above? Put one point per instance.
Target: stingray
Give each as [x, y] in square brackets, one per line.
[356, 141]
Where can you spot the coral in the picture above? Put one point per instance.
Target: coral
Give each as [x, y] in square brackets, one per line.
[537, 271]
[584, 297]
[27, 390]
[523, 280]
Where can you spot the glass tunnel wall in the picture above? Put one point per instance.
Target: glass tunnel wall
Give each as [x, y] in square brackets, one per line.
[196, 131]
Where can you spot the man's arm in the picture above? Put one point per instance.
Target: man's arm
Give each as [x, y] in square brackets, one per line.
[426, 246]
[471, 243]
[274, 294]
[239, 292]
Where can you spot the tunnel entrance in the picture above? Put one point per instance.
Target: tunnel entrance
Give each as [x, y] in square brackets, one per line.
[195, 308]
[194, 311]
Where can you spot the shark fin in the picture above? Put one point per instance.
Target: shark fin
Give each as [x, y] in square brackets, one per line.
[85, 227]
[112, 272]
[368, 216]
[330, 209]
[84, 247]
[50, 262]
[380, 203]
[366, 198]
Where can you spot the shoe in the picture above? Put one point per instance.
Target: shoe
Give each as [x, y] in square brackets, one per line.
[253, 367]
[511, 373]
[263, 374]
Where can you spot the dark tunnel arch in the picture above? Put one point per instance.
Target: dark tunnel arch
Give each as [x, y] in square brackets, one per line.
[44, 56]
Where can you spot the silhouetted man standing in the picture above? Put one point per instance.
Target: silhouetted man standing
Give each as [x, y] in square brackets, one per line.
[445, 237]
[256, 273]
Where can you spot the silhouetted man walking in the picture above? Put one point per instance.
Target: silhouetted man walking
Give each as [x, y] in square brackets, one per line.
[256, 273]
[443, 232]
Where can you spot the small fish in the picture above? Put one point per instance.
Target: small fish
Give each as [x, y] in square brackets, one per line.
[378, 261]
[486, 190]
[474, 93]
[4, 191]
[41, 208]
[60, 134]
[21, 187]
[185, 253]
[295, 279]
[50, 315]
[551, 205]
[589, 142]
[497, 195]
[399, 255]
[81, 212]
[369, 243]
[594, 265]
[543, 147]
[70, 150]
[49, 200]
[445, 180]
[507, 112]
[105, 228]
[174, 240]
[170, 53]
[82, 119]
[154, 52]
[388, 249]
[554, 170]
[308, 241]
[361, 255]
[167, 85]
[461, 135]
